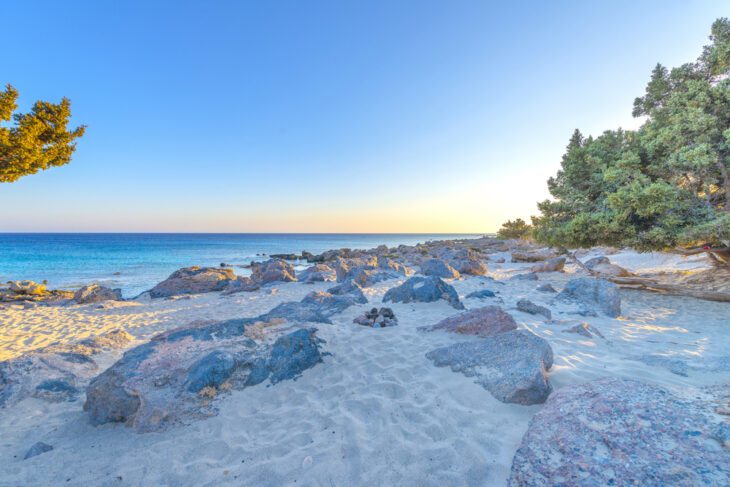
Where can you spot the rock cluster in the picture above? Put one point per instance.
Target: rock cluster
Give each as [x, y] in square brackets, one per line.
[377, 318]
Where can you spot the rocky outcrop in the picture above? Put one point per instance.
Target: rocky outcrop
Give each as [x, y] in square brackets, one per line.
[393, 266]
[318, 273]
[172, 379]
[58, 372]
[419, 289]
[28, 288]
[272, 270]
[438, 268]
[375, 318]
[343, 266]
[512, 366]
[483, 322]
[94, 293]
[527, 306]
[349, 288]
[551, 265]
[598, 293]
[465, 261]
[193, 280]
[366, 276]
[619, 432]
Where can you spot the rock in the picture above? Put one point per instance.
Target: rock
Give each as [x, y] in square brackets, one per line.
[37, 449]
[619, 432]
[593, 292]
[484, 293]
[318, 273]
[286, 256]
[343, 266]
[272, 270]
[604, 268]
[393, 266]
[483, 322]
[366, 276]
[465, 261]
[438, 268]
[585, 330]
[241, 284]
[94, 293]
[499, 260]
[349, 288]
[551, 265]
[172, 379]
[377, 318]
[512, 366]
[546, 288]
[28, 288]
[193, 280]
[533, 256]
[308, 256]
[527, 306]
[524, 277]
[423, 290]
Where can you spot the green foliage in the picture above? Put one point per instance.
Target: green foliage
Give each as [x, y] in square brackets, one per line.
[38, 140]
[514, 229]
[667, 183]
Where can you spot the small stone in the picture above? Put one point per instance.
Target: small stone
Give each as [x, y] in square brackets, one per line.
[37, 449]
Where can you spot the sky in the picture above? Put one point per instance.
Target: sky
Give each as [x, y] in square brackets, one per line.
[325, 116]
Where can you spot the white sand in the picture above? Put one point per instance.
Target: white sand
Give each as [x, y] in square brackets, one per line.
[376, 412]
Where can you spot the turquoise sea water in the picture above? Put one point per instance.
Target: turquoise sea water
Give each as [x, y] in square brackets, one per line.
[136, 262]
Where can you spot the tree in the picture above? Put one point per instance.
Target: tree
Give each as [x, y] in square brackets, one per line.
[38, 140]
[514, 229]
[666, 184]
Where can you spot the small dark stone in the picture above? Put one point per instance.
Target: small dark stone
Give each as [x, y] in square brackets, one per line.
[37, 449]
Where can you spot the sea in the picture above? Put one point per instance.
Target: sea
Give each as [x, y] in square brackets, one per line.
[136, 262]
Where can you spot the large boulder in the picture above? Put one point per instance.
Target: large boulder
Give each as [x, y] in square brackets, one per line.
[438, 268]
[423, 290]
[620, 432]
[193, 280]
[94, 293]
[317, 307]
[343, 265]
[465, 261]
[533, 255]
[591, 292]
[318, 273]
[241, 284]
[272, 270]
[551, 265]
[603, 267]
[512, 366]
[349, 288]
[27, 288]
[527, 306]
[483, 322]
[389, 264]
[172, 379]
[366, 276]
[57, 372]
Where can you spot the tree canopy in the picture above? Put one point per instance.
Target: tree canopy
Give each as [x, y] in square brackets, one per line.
[38, 140]
[514, 229]
[663, 185]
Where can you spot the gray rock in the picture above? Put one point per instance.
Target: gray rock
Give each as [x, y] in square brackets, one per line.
[533, 256]
[527, 306]
[438, 268]
[524, 277]
[483, 322]
[555, 264]
[484, 293]
[546, 288]
[349, 288]
[37, 449]
[598, 293]
[366, 276]
[241, 284]
[318, 273]
[94, 293]
[585, 330]
[382, 318]
[423, 290]
[272, 270]
[512, 366]
[619, 432]
[316, 307]
[604, 268]
[193, 280]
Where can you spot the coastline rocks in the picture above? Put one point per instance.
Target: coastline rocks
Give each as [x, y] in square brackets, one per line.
[512, 366]
[593, 292]
[342, 266]
[377, 318]
[37, 449]
[55, 373]
[482, 322]
[423, 290]
[272, 270]
[619, 432]
[94, 293]
[193, 280]
[527, 306]
[465, 261]
[318, 273]
[533, 256]
[27, 288]
[551, 265]
[172, 378]
[585, 330]
[439, 268]
[484, 293]
[604, 268]
[389, 264]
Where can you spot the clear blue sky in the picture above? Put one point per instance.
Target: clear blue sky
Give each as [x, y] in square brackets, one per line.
[315, 116]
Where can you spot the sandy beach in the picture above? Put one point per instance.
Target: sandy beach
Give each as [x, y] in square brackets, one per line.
[376, 411]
